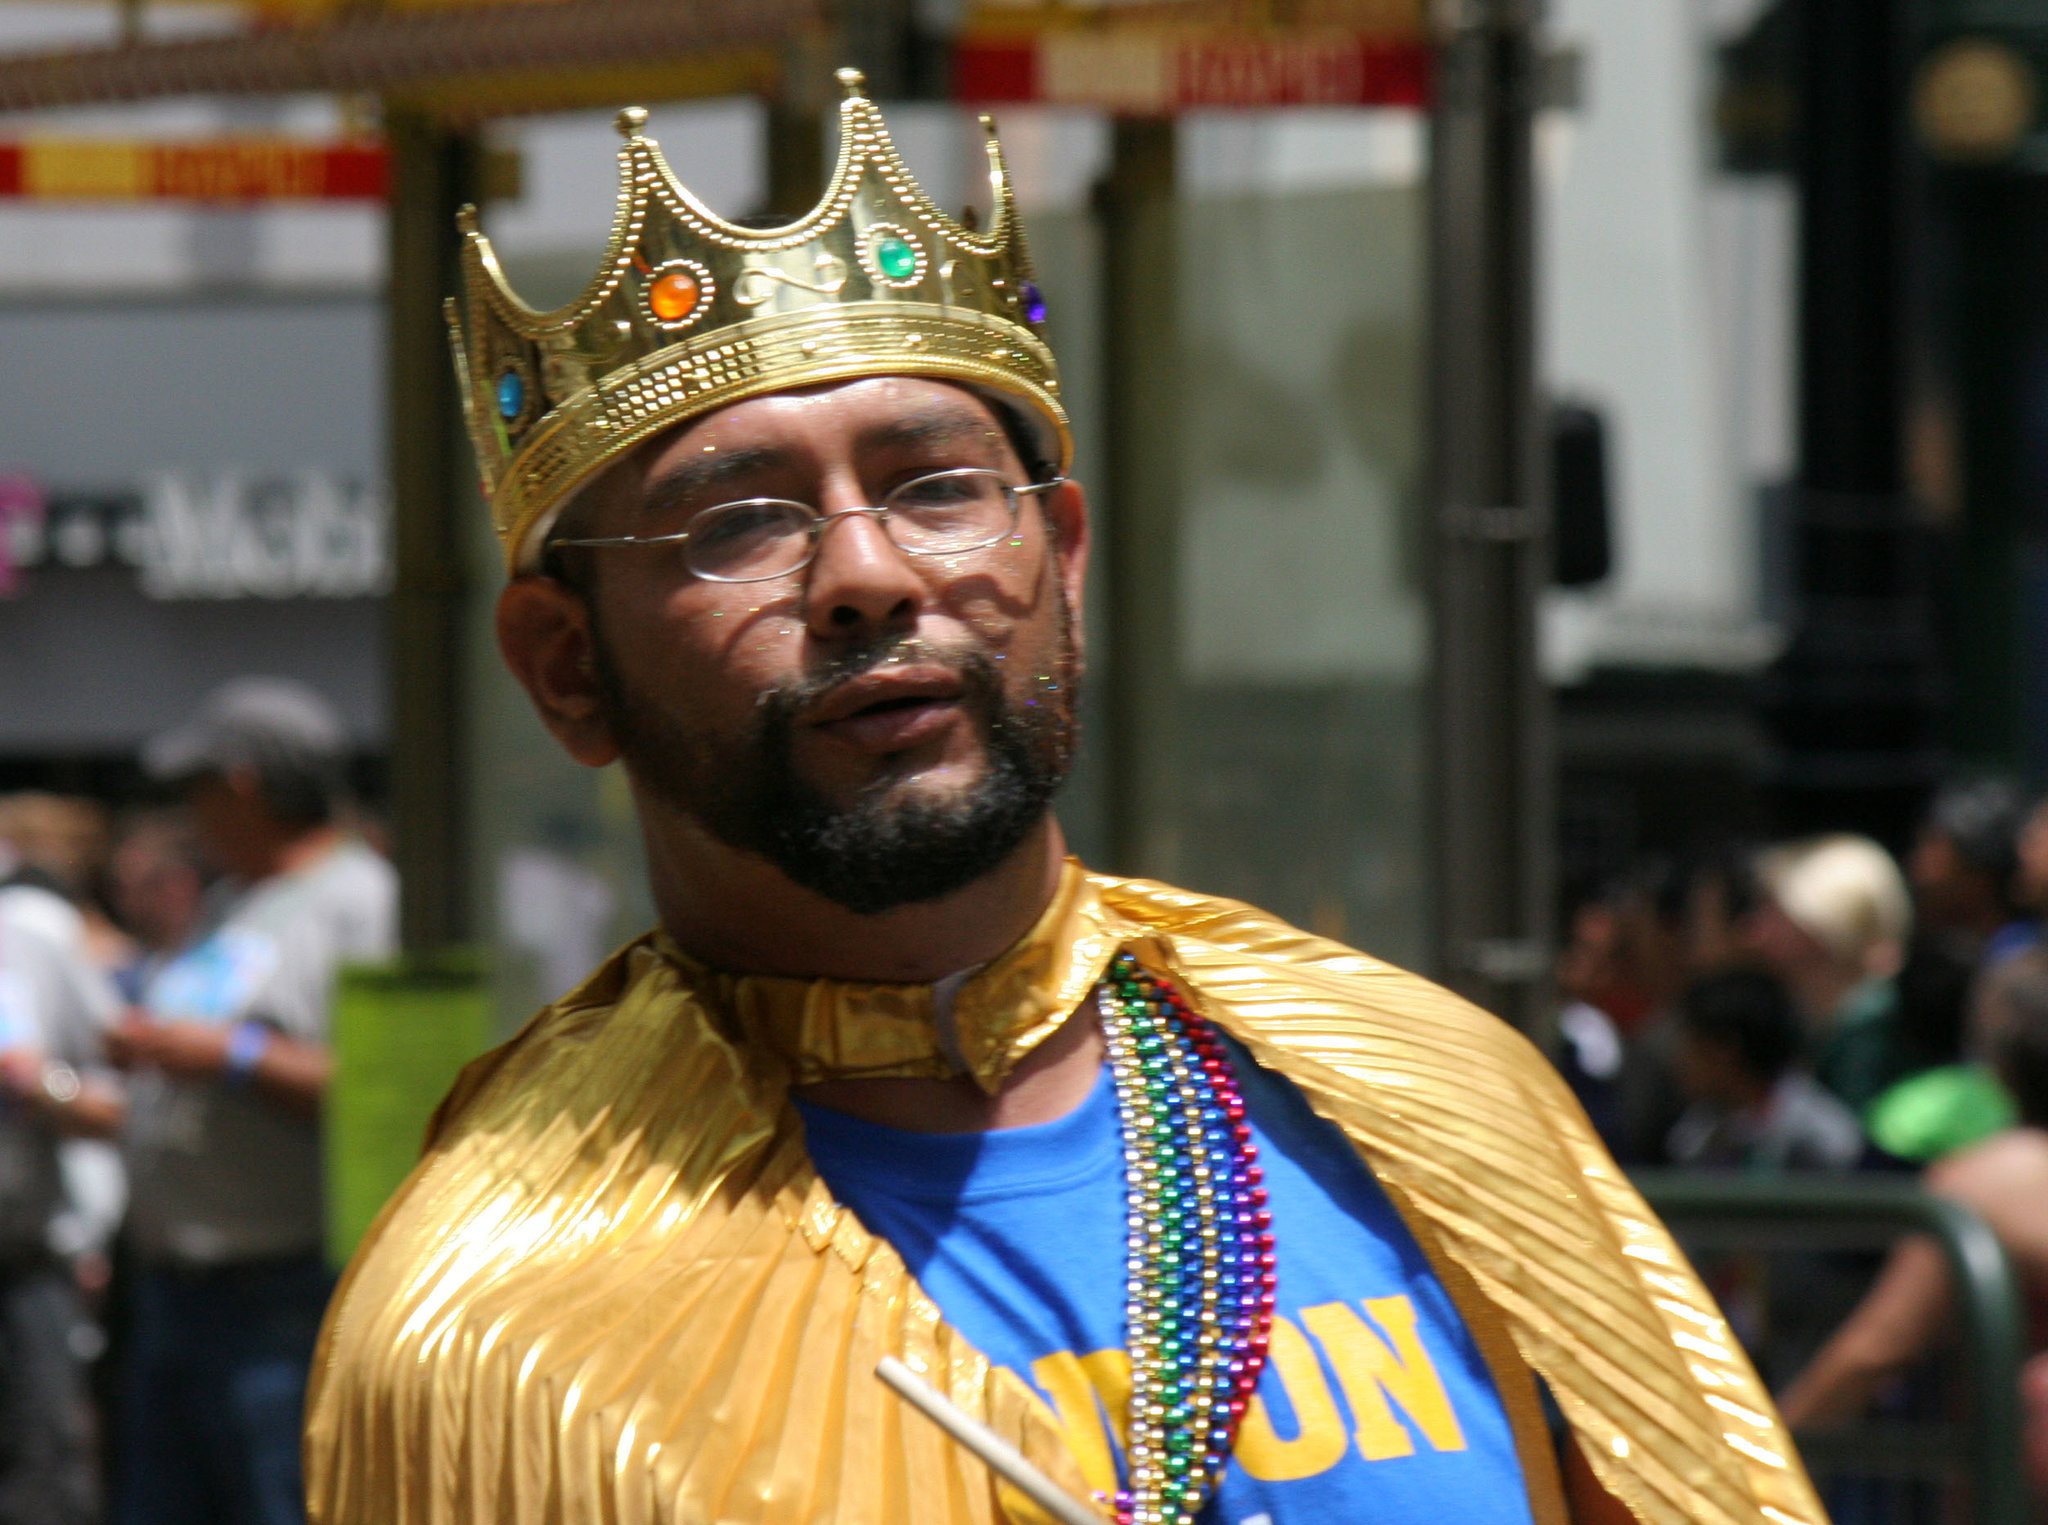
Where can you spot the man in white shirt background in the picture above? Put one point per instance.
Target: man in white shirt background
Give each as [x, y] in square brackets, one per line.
[228, 1063]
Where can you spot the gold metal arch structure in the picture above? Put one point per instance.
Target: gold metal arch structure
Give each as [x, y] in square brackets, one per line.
[457, 62]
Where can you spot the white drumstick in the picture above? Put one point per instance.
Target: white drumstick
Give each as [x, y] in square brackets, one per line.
[1003, 1458]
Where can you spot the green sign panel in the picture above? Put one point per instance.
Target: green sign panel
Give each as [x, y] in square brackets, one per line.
[401, 1034]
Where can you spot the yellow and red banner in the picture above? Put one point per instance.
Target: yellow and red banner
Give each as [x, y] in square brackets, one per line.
[1159, 70]
[1155, 57]
[225, 170]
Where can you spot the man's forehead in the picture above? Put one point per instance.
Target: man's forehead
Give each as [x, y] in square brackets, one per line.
[783, 428]
[867, 411]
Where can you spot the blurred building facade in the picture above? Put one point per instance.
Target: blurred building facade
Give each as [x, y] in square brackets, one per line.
[234, 363]
[207, 383]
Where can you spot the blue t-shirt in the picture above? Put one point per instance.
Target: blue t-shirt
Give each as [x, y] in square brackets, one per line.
[1375, 1408]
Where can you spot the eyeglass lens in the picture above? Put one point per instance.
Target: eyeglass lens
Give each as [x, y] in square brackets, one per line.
[947, 512]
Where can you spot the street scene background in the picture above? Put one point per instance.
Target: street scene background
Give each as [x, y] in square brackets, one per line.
[1571, 485]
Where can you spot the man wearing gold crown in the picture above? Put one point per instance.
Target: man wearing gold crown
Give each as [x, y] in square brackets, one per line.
[1208, 1218]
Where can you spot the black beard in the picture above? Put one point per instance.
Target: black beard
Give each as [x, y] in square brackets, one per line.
[873, 854]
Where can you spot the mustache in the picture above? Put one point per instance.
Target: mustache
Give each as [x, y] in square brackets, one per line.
[783, 703]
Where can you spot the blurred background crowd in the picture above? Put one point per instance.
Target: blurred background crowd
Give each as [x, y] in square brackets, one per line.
[1815, 1005]
[167, 977]
[167, 974]
[1811, 1004]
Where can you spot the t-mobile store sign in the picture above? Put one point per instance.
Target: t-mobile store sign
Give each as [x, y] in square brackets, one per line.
[227, 534]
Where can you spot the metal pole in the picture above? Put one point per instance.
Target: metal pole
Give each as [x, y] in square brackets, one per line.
[1135, 209]
[432, 174]
[408, 50]
[1494, 776]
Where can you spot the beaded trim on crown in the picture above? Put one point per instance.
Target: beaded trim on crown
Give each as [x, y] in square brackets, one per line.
[689, 312]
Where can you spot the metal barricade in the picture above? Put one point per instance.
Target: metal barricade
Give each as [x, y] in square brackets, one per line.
[1715, 1212]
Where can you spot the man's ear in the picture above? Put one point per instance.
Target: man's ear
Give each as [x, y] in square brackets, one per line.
[545, 637]
[1066, 517]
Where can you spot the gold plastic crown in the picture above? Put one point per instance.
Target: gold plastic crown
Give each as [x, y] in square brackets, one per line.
[690, 312]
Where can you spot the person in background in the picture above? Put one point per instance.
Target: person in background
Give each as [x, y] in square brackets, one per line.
[60, 838]
[1752, 1107]
[1965, 871]
[1590, 981]
[59, 842]
[222, 1140]
[156, 881]
[1624, 963]
[1832, 922]
[54, 1004]
[2004, 1179]
[1683, 921]
[1946, 1099]
[2030, 855]
[156, 884]
[1720, 898]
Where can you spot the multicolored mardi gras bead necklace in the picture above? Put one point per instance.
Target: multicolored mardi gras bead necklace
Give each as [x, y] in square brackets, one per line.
[1198, 1264]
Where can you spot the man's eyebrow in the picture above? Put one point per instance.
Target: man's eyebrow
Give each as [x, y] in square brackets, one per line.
[946, 427]
[703, 474]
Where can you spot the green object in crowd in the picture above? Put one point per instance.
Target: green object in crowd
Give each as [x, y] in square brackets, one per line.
[1937, 1112]
[401, 1034]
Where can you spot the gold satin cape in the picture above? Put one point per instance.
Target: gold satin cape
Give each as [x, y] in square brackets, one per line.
[616, 1292]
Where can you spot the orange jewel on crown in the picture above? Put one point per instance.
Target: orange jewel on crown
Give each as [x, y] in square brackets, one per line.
[679, 293]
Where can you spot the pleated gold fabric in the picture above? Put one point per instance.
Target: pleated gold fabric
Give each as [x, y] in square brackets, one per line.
[615, 1290]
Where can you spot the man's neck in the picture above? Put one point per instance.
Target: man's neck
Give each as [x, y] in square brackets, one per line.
[737, 912]
[1047, 1084]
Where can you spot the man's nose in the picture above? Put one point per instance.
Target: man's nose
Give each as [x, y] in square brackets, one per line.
[861, 582]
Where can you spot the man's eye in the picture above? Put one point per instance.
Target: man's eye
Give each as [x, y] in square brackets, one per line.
[944, 492]
[739, 523]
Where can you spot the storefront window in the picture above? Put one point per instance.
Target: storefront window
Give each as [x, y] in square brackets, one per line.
[1302, 621]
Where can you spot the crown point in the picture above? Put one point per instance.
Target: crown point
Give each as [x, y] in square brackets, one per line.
[988, 123]
[630, 121]
[852, 81]
[466, 218]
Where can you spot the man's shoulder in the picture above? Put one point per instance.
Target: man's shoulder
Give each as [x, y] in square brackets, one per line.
[523, 1134]
[600, 1018]
[1237, 952]
[610, 1181]
[1491, 1157]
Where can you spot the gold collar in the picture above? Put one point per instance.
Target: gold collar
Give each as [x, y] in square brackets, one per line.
[840, 1029]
